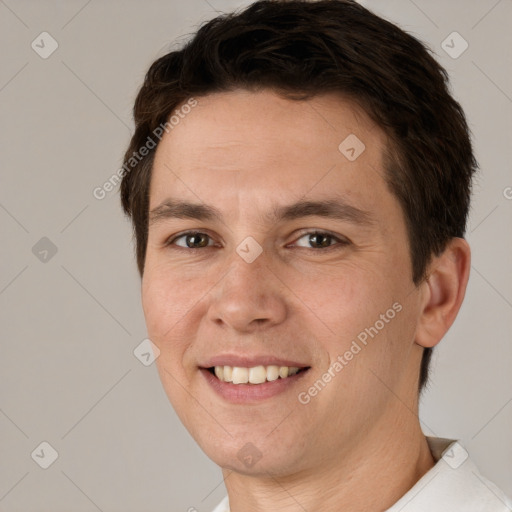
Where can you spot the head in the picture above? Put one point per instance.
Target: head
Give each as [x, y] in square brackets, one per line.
[270, 107]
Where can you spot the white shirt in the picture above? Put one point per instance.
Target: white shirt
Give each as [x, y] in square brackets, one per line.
[454, 484]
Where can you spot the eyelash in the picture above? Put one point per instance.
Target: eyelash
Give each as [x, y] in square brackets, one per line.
[342, 242]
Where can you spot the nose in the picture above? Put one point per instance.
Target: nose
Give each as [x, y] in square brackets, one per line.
[250, 297]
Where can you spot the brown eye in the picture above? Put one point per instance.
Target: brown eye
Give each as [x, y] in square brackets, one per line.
[192, 239]
[321, 240]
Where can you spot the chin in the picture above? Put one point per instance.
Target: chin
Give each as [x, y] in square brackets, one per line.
[259, 458]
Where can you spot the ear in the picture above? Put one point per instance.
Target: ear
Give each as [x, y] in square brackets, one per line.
[443, 292]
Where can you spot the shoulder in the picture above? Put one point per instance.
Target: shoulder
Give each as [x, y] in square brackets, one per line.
[454, 483]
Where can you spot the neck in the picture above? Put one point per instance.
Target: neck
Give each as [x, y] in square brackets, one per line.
[372, 475]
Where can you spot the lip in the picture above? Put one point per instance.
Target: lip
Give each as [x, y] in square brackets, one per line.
[249, 361]
[250, 393]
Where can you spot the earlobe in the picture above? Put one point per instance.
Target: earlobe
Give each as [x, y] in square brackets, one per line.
[444, 291]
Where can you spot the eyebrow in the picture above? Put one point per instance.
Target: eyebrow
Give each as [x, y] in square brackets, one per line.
[330, 208]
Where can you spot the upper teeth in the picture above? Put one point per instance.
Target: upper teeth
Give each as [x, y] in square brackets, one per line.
[254, 375]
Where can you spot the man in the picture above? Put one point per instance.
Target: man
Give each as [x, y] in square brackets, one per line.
[299, 183]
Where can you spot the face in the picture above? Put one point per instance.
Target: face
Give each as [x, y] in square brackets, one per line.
[252, 275]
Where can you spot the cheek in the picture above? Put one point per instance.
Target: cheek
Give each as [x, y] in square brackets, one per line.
[351, 299]
[369, 319]
[157, 312]
[166, 299]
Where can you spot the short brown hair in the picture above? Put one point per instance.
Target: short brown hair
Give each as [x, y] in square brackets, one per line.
[301, 49]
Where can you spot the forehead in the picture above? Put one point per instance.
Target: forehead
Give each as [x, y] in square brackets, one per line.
[258, 145]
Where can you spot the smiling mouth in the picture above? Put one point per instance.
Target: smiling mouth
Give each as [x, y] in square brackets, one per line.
[254, 375]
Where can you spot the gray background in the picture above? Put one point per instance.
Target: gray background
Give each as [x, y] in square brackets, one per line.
[70, 323]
